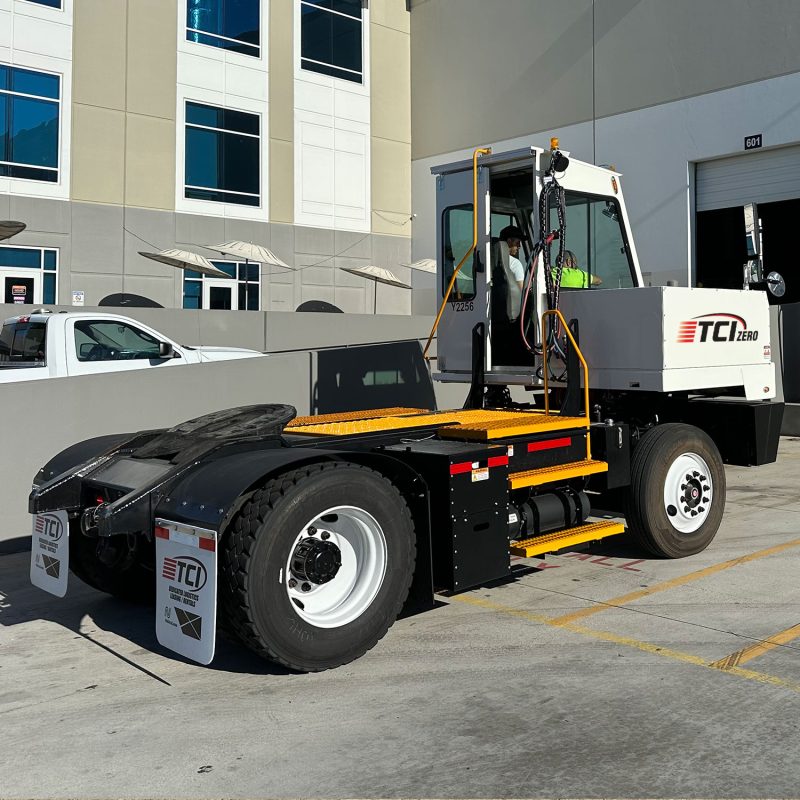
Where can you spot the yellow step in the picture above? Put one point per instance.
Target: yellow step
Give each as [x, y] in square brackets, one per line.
[561, 472]
[550, 542]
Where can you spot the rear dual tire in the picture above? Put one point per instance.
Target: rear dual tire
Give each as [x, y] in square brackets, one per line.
[317, 565]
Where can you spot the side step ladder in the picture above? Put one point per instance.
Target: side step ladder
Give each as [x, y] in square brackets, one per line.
[580, 534]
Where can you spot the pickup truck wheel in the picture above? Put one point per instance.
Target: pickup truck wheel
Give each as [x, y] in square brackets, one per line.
[677, 494]
[317, 565]
[116, 566]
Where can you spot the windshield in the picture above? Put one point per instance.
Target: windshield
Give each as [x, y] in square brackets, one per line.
[22, 343]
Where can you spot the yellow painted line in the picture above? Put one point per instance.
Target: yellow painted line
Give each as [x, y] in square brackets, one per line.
[758, 649]
[624, 641]
[615, 602]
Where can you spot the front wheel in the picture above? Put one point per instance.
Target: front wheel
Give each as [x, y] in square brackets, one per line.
[677, 494]
[317, 565]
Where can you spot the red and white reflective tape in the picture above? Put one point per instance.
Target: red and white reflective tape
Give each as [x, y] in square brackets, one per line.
[186, 534]
[551, 444]
[470, 466]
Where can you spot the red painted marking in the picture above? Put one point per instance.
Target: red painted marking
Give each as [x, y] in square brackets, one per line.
[208, 544]
[162, 533]
[498, 461]
[550, 445]
[629, 565]
[545, 565]
[464, 466]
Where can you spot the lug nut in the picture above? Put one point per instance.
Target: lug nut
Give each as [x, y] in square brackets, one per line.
[700, 508]
[306, 587]
[325, 535]
[311, 530]
[292, 583]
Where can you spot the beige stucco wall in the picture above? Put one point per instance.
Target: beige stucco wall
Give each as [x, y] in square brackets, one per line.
[390, 123]
[124, 78]
[281, 112]
[488, 71]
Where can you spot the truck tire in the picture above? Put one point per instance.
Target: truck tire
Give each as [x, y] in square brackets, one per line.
[317, 565]
[126, 577]
[677, 494]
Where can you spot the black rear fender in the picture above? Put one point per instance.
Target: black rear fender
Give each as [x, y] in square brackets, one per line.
[209, 494]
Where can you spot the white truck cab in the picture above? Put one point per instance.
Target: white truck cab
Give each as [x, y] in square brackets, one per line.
[48, 345]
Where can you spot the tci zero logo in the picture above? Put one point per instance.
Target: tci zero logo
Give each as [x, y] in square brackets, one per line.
[715, 328]
[49, 526]
[185, 570]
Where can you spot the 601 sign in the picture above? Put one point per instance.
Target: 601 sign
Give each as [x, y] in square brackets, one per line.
[752, 142]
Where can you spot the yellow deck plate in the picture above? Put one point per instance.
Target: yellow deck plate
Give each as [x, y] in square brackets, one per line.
[478, 418]
[348, 416]
[561, 472]
[513, 423]
[551, 542]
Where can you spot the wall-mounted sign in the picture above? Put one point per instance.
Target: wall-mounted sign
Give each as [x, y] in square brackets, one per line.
[77, 297]
[752, 142]
[19, 294]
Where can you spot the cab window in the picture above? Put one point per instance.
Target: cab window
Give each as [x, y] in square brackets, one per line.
[597, 238]
[456, 242]
[106, 340]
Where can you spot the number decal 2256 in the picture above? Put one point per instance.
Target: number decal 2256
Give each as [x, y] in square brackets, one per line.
[467, 306]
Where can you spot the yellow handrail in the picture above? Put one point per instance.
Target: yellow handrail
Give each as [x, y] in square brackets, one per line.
[478, 151]
[583, 364]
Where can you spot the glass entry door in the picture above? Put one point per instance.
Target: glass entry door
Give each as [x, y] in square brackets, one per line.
[21, 289]
[220, 293]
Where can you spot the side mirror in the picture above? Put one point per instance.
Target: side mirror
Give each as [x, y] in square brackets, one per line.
[776, 285]
[165, 350]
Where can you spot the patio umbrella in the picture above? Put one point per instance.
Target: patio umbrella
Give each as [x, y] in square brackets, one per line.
[247, 251]
[9, 228]
[378, 275]
[423, 265]
[186, 259]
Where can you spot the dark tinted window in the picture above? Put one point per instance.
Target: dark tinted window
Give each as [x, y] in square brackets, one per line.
[229, 24]
[29, 120]
[331, 38]
[22, 343]
[50, 3]
[457, 240]
[223, 156]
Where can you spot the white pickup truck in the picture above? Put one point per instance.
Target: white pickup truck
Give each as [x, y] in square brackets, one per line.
[48, 345]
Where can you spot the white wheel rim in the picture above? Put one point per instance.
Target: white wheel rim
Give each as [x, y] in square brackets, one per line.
[688, 492]
[362, 547]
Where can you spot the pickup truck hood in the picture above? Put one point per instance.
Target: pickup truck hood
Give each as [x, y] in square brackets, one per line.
[224, 353]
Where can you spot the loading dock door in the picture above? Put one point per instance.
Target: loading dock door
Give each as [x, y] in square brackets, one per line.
[764, 176]
[770, 178]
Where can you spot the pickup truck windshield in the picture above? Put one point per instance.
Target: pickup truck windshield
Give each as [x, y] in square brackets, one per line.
[22, 344]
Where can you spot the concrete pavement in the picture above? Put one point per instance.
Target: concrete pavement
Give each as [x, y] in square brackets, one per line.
[605, 675]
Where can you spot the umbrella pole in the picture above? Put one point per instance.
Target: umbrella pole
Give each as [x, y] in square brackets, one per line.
[246, 282]
[375, 301]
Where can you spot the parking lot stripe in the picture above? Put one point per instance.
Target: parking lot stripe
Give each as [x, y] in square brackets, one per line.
[624, 641]
[758, 649]
[616, 602]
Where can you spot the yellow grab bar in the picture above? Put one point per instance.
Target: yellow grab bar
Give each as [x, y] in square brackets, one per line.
[583, 364]
[478, 151]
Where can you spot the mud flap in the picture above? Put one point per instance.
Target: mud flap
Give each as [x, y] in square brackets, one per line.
[50, 552]
[186, 589]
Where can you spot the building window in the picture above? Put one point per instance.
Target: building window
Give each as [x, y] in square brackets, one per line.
[29, 113]
[240, 292]
[331, 38]
[49, 3]
[222, 155]
[28, 274]
[229, 24]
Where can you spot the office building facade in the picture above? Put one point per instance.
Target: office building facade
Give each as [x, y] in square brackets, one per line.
[140, 125]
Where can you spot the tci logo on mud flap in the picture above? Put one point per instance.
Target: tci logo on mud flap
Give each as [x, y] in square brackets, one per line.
[49, 526]
[715, 328]
[185, 570]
